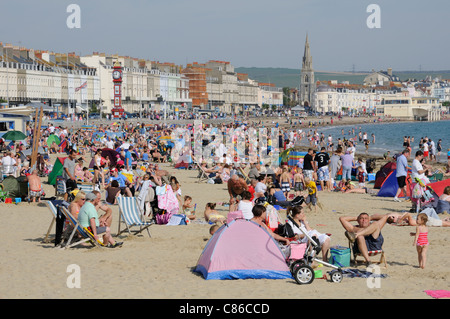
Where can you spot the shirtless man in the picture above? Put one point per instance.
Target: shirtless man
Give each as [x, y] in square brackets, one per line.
[367, 234]
[236, 185]
[35, 186]
[285, 181]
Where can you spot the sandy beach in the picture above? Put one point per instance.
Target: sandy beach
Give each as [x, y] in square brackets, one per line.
[161, 266]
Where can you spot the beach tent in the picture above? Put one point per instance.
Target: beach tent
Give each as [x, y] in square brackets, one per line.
[389, 186]
[56, 171]
[438, 187]
[242, 249]
[384, 171]
[15, 187]
[296, 157]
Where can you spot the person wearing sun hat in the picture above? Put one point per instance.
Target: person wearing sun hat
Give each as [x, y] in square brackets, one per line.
[88, 218]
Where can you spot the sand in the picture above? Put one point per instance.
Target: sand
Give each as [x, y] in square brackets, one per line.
[161, 266]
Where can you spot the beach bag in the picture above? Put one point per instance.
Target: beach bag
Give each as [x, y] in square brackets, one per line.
[418, 191]
[272, 220]
[340, 256]
[163, 218]
[285, 230]
[234, 215]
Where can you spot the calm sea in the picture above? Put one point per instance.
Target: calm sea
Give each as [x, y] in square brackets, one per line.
[389, 136]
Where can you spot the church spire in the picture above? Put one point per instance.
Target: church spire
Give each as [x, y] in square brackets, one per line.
[307, 83]
[307, 58]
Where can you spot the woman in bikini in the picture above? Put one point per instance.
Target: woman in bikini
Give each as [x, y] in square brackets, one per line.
[211, 214]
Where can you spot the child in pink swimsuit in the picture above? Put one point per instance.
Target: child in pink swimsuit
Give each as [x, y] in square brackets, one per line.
[421, 239]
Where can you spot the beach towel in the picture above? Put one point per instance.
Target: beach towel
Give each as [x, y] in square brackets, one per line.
[438, 293]
[357, 273]
[143, 194]
[168, 201]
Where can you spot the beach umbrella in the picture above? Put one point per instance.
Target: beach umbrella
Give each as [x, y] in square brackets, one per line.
[112, 154]
[53, 138]
[14, 136]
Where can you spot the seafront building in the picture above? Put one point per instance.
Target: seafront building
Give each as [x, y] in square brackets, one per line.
[61, 81]
[68, 83]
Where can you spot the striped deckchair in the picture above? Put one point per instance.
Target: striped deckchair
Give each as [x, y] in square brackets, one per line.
[85, 234]
[370, 253]
[54, 212]
[131, 216]
[85, 187]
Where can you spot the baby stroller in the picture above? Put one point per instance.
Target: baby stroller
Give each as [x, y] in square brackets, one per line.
[301, 257]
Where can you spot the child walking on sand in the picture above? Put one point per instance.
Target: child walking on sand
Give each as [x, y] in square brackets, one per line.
[421, 239]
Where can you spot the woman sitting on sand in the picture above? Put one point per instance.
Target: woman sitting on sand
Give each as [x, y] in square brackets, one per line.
[211, 215]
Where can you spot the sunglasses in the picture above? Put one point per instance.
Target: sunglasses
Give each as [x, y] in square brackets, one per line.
[83, 198]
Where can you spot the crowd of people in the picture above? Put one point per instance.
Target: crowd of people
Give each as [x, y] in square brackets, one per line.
[124, 160]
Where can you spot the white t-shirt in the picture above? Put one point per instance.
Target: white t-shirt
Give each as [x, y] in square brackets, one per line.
[110, 144]
[302, 231]
[8, 164]
[246, 208]
[351, 150]
[260, 188]
[416, 167]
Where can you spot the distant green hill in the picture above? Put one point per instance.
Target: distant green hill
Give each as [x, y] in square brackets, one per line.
[283, 77]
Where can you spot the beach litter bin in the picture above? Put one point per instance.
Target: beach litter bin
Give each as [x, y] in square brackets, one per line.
[8, 200]
[371, 177]
[17, 200]
[340, 256]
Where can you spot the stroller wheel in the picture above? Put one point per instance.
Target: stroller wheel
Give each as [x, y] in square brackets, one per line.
[336, 276]
[304, 275]
[296, 264]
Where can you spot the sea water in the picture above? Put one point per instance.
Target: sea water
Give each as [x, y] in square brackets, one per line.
[389, 136]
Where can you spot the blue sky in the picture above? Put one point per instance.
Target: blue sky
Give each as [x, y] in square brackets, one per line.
[247, 33]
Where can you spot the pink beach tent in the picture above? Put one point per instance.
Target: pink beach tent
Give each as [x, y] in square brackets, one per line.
[242, 249]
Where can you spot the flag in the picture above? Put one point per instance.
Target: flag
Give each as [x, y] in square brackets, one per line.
[81, 86]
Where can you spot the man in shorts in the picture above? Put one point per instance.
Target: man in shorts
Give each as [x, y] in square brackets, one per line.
[88, 218]
[323, 174]
[402, 172]
[69, 173]
[366, 236]
[309, 164]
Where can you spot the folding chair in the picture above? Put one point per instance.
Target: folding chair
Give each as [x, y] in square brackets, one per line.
[60, 187]
[202, 175]
[131, 215]
[54, 212]
[85, 234]
[85, 187]
[371, 253]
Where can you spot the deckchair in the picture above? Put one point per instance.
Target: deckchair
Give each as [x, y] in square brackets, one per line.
[131, 216]
[202, 175]
[85, 187]
[371, 253]
[85, 234]
[54, 212]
